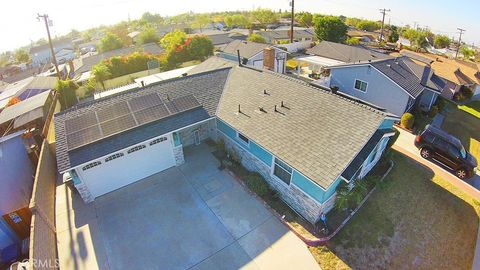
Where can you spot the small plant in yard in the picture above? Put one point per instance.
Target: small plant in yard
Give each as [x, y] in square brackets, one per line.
[433, 111]
[257, 184]
[407, 120]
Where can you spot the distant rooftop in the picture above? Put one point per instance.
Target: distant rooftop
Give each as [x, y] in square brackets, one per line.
[345, 53]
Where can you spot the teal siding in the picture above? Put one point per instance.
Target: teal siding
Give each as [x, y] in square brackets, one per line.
[308, 186]
[331, 190]
[252, 147]
[387, 124]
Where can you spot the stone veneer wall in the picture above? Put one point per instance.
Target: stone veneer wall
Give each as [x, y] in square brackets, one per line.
[292, 195]
[87, 197]
[206, 129]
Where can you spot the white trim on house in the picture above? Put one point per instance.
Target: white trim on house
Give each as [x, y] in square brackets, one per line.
[126, 148]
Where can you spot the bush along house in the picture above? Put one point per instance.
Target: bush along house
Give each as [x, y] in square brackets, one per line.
[303, 140]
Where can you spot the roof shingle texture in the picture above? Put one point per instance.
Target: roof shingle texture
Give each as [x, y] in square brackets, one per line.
[345, 53]
[247, 49]
[318, 135]
[206, 87]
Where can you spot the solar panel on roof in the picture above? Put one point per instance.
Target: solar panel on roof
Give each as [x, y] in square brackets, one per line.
[117, 125]
[113, 111]
[84, 136]
[151, 114]
[80, 122]
[185, 103]
[143, 102]
[171, 107]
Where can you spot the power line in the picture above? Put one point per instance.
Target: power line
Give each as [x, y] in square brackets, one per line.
[383, 11]
[459, 41]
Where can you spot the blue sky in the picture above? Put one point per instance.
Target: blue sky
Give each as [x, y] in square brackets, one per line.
[20, 25]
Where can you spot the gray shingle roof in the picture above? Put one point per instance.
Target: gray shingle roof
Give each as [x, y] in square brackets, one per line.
[411, 77]
[318, 135]
[283, 34]
[247, 48]
[212, 63]
[206, 87]
[345, 53]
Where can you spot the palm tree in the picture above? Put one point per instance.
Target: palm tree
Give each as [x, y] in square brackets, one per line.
[101, 73]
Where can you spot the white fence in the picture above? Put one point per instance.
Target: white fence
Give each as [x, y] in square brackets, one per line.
[296, 46]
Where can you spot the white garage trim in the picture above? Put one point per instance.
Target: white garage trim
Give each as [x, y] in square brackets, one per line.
[79, 167]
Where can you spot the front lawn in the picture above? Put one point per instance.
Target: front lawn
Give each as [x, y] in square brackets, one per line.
[414, 220]
[463, 122]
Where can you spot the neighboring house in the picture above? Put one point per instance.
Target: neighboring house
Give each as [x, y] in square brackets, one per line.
[28, 113]
[87, 47]
[256, 55]
[363, 36]
[304, 149]
[26, 88]
[85, 64]
[282, 36]
[456, 73]
[65, 55]
[16, 183]
[327, 54]
[41, 55]
[403, 42]
[221, 38]
[395, 84]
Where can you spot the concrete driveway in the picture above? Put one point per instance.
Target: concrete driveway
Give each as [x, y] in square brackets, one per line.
[188, 217]
[404, 144]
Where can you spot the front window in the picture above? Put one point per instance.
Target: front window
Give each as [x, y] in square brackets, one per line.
[361, 85]
[463, 152]
[282, 171]
[243, 138]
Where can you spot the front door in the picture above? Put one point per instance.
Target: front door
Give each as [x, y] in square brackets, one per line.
[196, 137]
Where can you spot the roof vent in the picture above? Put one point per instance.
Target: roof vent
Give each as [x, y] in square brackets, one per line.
[262, 109]
[284, 106]
[388, 65]
[266, 93]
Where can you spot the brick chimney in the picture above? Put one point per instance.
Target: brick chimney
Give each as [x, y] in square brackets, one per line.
[269, 58]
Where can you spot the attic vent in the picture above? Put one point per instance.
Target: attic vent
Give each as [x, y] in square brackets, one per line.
[388, 65]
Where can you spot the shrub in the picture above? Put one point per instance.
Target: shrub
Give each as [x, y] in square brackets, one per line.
[407, 120]
[257, 184]
[66, 90]
[463, 94]
[433, 111]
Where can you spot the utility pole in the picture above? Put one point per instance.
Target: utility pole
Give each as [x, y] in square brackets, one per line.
[459, 41]
[292, 20]
[54, 59]
[383, 11]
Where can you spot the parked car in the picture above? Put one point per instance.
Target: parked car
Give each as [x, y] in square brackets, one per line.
[439, 145]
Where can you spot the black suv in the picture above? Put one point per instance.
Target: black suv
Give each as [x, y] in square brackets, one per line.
[443, 147]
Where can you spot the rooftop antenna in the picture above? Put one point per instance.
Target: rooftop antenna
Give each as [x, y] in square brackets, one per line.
[239, 111]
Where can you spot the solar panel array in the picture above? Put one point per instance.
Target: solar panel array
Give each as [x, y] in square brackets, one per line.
[113, 119]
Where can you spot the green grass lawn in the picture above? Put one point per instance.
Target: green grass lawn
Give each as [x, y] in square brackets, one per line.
[414, 220]
[464, 123]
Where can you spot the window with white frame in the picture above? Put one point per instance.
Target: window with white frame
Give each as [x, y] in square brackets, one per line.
[243, 138]
[361, 85]
[114, 156]
[136, 148]
[282, 171]
[91, 165]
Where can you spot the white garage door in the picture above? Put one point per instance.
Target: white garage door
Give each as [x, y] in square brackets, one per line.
[121, 169]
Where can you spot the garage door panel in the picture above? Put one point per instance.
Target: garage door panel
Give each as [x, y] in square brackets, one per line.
[122, 170]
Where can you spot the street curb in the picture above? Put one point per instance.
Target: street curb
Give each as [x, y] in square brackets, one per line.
[313, 242]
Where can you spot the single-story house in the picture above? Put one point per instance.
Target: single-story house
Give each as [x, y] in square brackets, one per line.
[42, 55]
[26, 88]
[257, 55]
[363, 36]
[280, 36]
[16, 183]
[394, 84]
[456, 73]
[120, 139]
[221, 38]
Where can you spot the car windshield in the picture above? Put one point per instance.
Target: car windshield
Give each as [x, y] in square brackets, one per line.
[463, 152]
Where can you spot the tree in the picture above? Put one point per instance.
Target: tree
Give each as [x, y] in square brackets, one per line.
[148, 35]
[101, 73]
[201, 21]
[22, 56]
[330, 28]
[393, 37]
[264, 16]
[173, 39]
[110, 42]
[353, 41]
[66, 91]
[256, 38]
[121, 31]
[467, 52]
[74, 33]
[441, 41]
[305, 19]
[198, 48]
[149, 18]
[368, 25]
[241, 21]
[352, 21]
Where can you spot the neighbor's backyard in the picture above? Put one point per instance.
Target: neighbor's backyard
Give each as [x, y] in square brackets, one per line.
[414, 220]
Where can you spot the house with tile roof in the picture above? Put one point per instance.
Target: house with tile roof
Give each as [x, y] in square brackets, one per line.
[456, 73]
[396, 85]
[111, 142]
